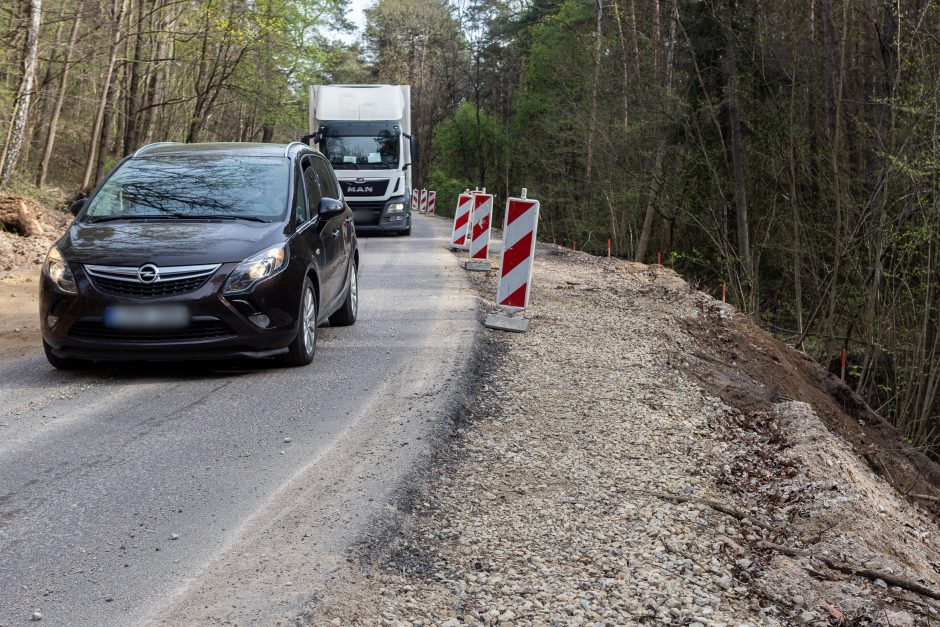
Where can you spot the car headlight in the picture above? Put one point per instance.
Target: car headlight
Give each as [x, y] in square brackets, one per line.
[396, 207]
[256, 268]
[58, 272]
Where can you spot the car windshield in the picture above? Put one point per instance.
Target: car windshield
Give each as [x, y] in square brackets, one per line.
[357, 152]
[198, 186]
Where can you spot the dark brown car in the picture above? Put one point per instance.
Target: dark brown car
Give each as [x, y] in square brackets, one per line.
[203, 251]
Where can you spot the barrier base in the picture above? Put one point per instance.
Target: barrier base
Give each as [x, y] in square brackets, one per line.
[478, 265]
[506, 322]
[458, 249]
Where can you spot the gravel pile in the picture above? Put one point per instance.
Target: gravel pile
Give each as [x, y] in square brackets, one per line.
[573, 491]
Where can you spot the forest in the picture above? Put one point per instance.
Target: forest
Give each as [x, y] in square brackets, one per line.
[788, 150]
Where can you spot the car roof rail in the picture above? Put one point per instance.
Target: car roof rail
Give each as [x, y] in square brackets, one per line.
[144, 149]
[291, 145]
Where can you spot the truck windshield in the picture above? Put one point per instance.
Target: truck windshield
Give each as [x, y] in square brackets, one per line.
[248, 188]
[358, 152]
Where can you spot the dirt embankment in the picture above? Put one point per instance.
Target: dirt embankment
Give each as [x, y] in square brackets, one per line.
[645, 455]
[27, 231]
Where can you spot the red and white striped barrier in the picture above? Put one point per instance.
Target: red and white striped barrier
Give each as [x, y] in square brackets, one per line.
[460, 239]
[432, 201]
[414, 199]
[515, 267]
[480, 227]
[424, 200]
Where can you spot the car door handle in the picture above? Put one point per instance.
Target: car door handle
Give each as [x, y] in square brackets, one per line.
[347, 220]
[336, 233]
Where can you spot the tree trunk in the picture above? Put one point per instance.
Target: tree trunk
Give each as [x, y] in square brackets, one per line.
[91, 158]
[795, 210]
[132, 124]
[625, 69]
[647, 231]
[57, 108]
[106, 133]
[836, 150]
[660, 138]
[737, 150]
[16, 134]
[592, 124]
[155, 82]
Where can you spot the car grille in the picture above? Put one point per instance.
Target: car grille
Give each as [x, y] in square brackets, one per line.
[367, 213]
[170, 281]
[199, 329]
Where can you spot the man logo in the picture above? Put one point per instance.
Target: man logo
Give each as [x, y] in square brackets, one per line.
[148, 273]
[360, 181]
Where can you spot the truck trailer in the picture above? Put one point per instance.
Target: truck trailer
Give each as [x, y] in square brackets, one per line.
[365, 132]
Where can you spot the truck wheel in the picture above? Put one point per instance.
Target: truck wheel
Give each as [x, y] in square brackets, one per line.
[346, 315]
[300, 352]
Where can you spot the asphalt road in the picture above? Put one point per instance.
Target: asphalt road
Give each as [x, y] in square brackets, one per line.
[202, 493]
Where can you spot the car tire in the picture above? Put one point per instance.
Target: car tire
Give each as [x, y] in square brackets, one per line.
[300, 352]
[62, 363]
[346, 315]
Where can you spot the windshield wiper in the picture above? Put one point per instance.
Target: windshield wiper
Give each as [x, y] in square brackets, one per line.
[225, 217]
[178, 216]
[97, 219]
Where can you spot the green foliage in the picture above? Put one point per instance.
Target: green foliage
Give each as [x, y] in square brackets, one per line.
[469, 147]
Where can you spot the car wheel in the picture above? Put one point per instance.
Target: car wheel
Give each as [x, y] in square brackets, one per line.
[62, 363]
[346, 315]
[300, 352]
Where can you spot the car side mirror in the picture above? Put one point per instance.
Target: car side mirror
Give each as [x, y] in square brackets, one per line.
[77, 205]
[330, 207]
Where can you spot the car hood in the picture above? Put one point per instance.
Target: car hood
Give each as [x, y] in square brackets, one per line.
[176, 243]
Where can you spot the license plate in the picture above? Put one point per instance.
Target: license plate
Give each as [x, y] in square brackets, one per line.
[146, 317]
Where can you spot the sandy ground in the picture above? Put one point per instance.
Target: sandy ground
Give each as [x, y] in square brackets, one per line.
[19, 318]
[634, 459]
[20, 261]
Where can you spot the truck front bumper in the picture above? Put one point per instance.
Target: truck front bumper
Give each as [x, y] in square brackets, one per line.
[374, 217]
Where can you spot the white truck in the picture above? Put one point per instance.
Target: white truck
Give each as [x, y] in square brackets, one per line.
[365, 132]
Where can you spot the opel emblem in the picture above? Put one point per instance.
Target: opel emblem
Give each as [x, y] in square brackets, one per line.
[148, 273]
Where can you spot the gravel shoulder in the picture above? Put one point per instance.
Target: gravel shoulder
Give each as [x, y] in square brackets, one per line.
[633, 460]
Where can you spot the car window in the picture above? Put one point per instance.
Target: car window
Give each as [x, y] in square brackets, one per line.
[195, 186]
[327, 179]
[312, 185]
[300, 198]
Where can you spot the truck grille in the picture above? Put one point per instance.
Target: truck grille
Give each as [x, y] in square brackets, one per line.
[199, 329]
[365, 187]
[170, 281]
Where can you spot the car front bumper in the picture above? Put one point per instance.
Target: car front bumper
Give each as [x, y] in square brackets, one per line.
[220, 327]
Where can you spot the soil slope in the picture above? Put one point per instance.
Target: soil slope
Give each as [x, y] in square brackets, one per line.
[646, 455]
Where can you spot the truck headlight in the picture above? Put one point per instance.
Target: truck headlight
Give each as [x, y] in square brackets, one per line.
[396, 207]
[256, 268]
[57, 270]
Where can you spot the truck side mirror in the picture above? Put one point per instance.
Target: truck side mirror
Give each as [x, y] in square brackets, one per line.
[414, 149]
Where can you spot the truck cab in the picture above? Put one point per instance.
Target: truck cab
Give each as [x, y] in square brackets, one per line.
[365, 132]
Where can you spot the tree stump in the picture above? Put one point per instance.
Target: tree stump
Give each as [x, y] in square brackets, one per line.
[16, 216]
